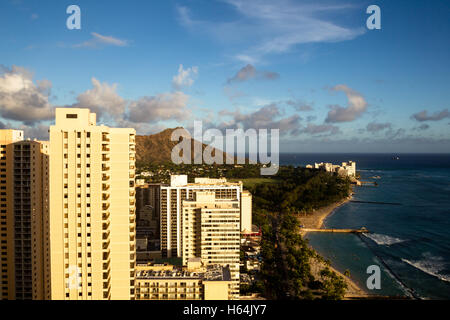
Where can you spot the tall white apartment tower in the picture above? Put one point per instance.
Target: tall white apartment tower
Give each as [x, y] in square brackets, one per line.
[92, 208]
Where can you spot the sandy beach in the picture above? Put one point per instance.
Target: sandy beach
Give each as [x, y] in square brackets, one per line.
[315, 220]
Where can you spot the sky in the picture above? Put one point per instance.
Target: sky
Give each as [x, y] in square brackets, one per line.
[309, 68]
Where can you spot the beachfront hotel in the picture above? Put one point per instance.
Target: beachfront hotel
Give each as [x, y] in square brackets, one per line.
[346, 169]
[92, 208]
[24, 271]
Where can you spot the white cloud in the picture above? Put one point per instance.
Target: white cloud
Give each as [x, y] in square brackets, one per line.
[299, 105]
[314, 129]
[102, 99]
[374, 127]
[423, 115]
[249, 72]
[163, 106]
[272, 27]
[263, 118]
[21, 99]
[184, 78]
[99, 40]
[357, 105]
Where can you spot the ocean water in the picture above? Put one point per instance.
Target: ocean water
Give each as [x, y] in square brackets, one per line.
[410, 241]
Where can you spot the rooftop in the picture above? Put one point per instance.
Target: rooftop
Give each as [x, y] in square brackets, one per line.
[209, 273]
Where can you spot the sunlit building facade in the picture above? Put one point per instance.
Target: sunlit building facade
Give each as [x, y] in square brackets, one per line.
[92, 208]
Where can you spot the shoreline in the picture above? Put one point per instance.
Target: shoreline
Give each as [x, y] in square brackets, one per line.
[315, 220]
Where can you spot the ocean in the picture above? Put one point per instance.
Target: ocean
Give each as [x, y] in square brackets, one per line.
[410, 241]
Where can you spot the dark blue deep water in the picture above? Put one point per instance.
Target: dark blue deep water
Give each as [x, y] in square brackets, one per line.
[411, 241]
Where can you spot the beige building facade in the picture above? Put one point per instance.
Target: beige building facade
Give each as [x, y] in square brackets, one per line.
[92, 208]
[211, 231]
[193, 282]
[171, 198]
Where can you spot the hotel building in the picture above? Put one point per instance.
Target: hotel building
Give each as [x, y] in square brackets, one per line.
[7, 138]
[25, 264]
[171, 198]
[92, 208]
[204, 219]
[211, 231]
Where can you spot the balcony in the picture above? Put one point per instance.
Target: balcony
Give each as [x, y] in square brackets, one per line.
[105, 225]
[105, 246]
[105, 235]
[106, 255]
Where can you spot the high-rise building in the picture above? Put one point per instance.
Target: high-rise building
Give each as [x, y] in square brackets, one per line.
[171, 206]
[24, 217]
[31, 220]
[204, 219]
[211, 231]
[92, 208]
[147, 220]
[7, 139]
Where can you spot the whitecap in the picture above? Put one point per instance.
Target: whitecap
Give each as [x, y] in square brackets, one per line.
[382, 239]
[432, 266]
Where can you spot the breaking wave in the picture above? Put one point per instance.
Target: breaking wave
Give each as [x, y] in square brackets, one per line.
[382, 239]
[432, 266]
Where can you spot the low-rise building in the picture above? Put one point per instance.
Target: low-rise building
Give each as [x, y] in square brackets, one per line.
[192, 282]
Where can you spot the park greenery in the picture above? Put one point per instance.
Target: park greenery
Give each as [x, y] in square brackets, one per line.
[286, 269]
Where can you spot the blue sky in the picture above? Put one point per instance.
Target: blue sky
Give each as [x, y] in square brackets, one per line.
[310, 68]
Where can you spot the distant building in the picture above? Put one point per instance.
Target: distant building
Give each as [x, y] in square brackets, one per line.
[192, 282]
[246, 211]
[147, 220]
[350, 167]
[346, 169]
